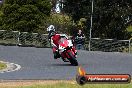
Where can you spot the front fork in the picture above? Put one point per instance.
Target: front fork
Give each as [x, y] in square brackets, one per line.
[71, 52]
[65, 53]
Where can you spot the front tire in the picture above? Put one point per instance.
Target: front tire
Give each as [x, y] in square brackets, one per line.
[72, 59]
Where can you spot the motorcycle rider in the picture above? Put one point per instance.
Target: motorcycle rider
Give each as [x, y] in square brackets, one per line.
[54, 39]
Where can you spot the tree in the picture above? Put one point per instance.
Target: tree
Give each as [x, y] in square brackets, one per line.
[24, 15]
[110, 17]
[62, 22]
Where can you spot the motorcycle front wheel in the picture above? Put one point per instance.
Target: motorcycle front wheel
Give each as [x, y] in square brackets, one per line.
[72, 59]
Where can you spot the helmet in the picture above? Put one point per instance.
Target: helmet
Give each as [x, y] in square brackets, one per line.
[51, 31]
[51, 28]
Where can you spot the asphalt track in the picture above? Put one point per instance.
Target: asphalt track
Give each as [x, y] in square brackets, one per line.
[38, 63]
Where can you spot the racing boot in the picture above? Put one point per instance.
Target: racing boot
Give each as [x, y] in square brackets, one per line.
[56, 55]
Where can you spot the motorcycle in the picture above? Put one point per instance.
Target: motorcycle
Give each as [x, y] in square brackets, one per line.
[66, 50]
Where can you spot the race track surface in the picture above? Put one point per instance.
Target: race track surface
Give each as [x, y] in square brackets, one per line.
[38, 63]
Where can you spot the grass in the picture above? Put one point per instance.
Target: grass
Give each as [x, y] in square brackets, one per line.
[2, 66]
[63, 85]
[71, 85]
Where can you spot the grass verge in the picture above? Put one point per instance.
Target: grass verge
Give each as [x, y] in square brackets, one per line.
[2, 65]
[61, 84]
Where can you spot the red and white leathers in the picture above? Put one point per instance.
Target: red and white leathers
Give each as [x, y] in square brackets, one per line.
[55, 42]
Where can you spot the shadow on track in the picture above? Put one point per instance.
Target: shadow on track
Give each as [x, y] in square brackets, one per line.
[61, 65]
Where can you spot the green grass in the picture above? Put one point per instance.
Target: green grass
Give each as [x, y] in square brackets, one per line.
[69, 85]
[2, 66]
[62, 85]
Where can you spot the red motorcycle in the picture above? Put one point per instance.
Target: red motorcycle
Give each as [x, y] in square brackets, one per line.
[66, 50]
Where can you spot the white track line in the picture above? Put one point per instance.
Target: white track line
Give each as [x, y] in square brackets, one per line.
[10, 67]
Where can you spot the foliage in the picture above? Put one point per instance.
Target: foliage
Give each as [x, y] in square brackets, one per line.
[24, 15]
[129, 29]
[110, 17]
[62, 22]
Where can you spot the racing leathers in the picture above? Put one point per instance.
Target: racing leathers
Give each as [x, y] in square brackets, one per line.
[55, 44]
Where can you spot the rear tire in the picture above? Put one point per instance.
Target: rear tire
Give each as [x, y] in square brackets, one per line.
[72, 59]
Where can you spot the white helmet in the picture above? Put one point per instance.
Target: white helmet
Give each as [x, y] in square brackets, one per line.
[51, 27]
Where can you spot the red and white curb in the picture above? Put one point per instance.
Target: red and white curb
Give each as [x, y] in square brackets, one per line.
[10, 67]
